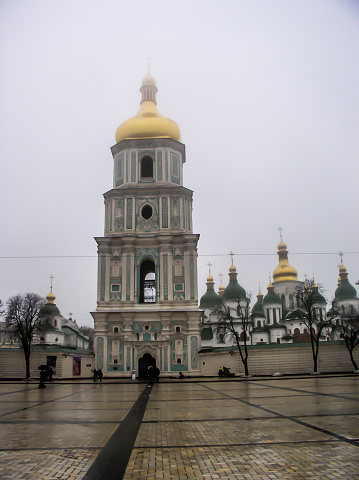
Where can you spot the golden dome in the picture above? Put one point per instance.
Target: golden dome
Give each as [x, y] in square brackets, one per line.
[342, 269]
[148, 123]
[232, 269]
[50, 297]
[209, 278]
[284, 271]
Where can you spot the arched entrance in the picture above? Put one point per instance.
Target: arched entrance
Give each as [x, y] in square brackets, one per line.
[143, 363]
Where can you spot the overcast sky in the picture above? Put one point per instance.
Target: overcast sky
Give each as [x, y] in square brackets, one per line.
[266, 97]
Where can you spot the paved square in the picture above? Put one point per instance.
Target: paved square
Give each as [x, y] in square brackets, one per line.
[262, 428]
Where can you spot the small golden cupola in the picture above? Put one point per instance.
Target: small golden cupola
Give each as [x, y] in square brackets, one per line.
[148, 123]
[221, 288]
[284, 272]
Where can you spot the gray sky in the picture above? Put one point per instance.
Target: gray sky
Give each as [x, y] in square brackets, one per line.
[266, 97]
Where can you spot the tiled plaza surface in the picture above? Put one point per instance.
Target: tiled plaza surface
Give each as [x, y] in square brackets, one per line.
[270, 428]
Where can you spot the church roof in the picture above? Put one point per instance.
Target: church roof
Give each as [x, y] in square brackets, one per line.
[148, 123]
[345, 290]
[284, 271]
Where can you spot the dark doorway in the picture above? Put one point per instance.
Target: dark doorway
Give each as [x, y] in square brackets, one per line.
[144, 363]
[147, 282]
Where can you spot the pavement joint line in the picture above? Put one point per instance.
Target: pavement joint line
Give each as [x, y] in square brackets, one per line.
[239, 444]
[231, 419]
[19, 391]
[42, 403]
[112, 461]
[300, 422]
[306, 392]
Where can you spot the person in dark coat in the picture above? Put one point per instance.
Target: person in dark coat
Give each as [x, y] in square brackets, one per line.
[42, 379]
[156, 372]
[100, 374]
[94, 371]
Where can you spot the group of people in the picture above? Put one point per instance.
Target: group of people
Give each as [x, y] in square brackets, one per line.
[154, 373]
[97, 374]
[225, 372]
[45, 374]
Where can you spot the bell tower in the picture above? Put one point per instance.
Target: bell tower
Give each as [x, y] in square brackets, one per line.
[147, 301]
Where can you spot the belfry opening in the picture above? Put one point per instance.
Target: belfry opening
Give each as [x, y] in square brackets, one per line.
[147, 282]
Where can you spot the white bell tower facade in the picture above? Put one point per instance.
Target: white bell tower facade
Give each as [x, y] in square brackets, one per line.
[147, 301]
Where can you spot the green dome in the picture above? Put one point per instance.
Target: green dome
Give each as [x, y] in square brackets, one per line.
[271, 297]
[49, 309]
[210, 299]
[345, 291]
[234, 291]
[318, 298]
[257, 308]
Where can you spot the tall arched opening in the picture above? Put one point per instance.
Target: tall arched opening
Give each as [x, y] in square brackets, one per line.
[144, 363]
[147, 291]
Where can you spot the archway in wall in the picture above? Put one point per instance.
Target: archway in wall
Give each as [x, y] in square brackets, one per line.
[144, 363]
[147, 292]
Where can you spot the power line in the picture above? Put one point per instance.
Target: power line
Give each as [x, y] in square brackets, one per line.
[199, 255]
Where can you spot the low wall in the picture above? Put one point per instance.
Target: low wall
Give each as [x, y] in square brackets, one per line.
[12, 364]
[286, 359]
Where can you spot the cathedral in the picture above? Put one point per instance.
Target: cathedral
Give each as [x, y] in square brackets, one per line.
[147, 299]
[273, 318]
[147, 311]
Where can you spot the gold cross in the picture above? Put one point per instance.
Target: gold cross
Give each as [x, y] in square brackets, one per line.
[220, 276]
[280, 233]
[51, 277]
[149, 58]
[341, 255]
[209, 267]
[231, 254]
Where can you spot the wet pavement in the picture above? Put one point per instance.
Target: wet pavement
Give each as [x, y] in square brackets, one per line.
[261, 428]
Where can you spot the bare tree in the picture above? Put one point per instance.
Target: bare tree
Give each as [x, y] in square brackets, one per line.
[234, 323]
[25, 322]
[348, 325]
[312, 316]
[88, 332]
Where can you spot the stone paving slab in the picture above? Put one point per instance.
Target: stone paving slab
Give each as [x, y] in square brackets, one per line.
[286, 462]
[46, 464]
[54, 435]
[272, 430]
[203, 411]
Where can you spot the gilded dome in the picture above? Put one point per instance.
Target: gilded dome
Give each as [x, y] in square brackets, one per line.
[148, 123]
[284, 271]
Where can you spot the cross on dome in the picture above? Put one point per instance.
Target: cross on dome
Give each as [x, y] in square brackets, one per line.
[51, 278]
[341, 255]
[280, 233]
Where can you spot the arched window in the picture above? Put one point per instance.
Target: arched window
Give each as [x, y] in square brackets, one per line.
[296, 331]
[146, 168]
[274, 315]
[242, 336]
[147, 282]
[221, 338]
[291, 301]
[178, 329]
[115, 330]
[179, 360]
[259, 323]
